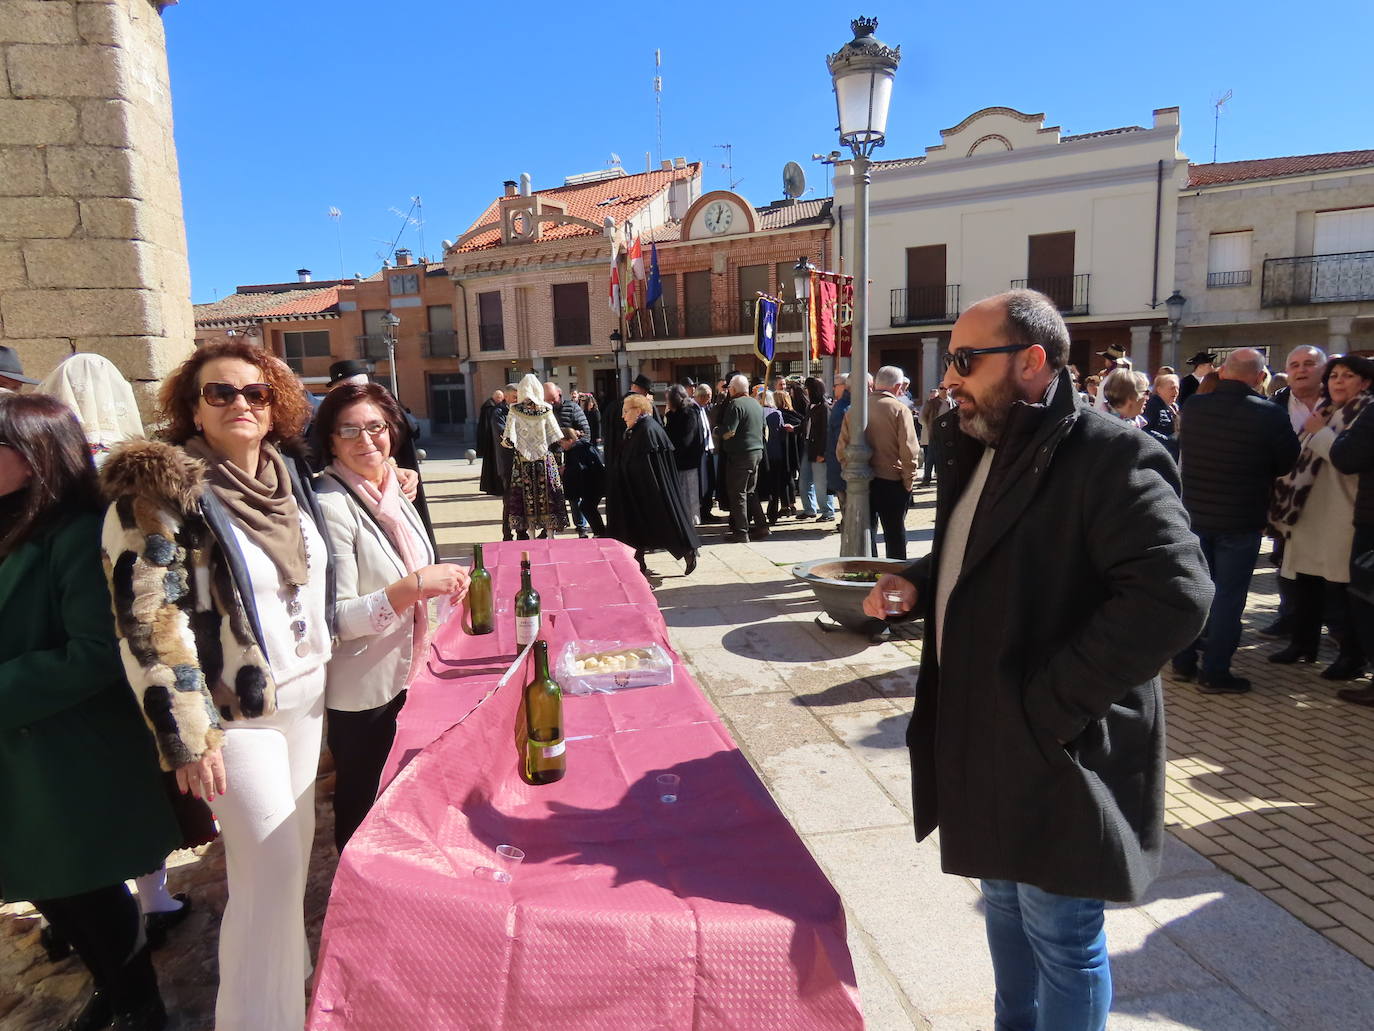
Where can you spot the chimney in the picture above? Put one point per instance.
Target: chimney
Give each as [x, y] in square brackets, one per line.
[302, 275]
[524, 184]
[403, 257]
[665, 165]
[679, 162]
[509, 184]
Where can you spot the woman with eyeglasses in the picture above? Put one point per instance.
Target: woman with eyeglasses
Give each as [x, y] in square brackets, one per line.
[386, 575]
[81, 804]
[223, 588]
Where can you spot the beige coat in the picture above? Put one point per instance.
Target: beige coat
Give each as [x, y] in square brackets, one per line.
[370, 660]
[892, 437]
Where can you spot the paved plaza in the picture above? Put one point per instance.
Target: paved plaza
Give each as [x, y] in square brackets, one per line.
[1262, 921]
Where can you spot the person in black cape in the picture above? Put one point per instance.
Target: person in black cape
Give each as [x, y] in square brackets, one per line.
[490, 482]
[644, 506]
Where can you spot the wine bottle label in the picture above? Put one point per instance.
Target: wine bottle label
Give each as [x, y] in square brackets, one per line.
[553, 751]
[526, 629]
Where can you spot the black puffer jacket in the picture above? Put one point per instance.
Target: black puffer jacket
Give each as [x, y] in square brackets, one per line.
[1353, 452]
[1232, 445]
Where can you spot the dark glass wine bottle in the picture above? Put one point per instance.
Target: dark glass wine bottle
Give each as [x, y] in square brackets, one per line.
[526, 606]
[479, 595]
[545, 758]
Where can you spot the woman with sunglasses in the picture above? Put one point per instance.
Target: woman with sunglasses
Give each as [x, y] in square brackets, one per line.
[386, 574]
[223, 595]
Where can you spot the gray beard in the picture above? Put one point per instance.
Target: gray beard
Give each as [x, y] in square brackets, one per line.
[987, 420]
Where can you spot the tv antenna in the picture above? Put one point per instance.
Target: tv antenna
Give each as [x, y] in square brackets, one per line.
[336, 216]
[1216, 121]
[658, 99]
[729, 165]
[408, 218]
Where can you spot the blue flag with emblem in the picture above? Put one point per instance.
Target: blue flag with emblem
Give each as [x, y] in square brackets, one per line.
[655, 290]
[766, 327]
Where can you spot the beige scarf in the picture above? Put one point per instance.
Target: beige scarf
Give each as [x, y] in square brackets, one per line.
[262, 505]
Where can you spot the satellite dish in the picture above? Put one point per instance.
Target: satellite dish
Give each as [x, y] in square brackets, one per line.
[793, 180]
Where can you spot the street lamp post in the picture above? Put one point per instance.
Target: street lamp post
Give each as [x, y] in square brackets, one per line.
[391, 320]
[801, 282]
[862, 71]
[1175, 303]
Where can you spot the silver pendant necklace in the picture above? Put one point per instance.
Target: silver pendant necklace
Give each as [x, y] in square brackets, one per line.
[295, 609]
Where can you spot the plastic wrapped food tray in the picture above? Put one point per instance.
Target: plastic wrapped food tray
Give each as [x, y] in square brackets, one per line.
[587, 667]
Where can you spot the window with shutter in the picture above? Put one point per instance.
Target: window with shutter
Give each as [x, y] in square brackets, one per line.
[1228, 258]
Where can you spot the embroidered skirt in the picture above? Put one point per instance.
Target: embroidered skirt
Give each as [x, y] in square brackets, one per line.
[535, 501]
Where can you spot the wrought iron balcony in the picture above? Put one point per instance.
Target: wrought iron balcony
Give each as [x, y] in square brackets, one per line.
[1318, 279]
[372, 345]
[1240, 278]
[708, 320]
[1069, 293]
[440, 343]
[492, 338]
[923, 305]
[572, 331]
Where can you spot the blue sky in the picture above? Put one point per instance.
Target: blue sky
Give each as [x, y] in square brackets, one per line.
[286, 109]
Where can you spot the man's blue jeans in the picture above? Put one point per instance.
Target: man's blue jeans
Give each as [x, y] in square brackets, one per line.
[1049, 959]
[814, 497]
[1231, 562]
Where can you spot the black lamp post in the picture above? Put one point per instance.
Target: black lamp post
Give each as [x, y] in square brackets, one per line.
[1175, 304]
[862, 71]
[801, 284]
[390, 320]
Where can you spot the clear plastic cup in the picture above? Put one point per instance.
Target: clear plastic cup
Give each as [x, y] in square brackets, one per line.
[668, 786]
[510, 858]
[893, 605]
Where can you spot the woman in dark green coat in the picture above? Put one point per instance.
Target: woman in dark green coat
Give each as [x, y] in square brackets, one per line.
[81, 801]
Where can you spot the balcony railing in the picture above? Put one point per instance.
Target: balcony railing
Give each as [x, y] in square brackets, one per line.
[1069, 293]
[915, 306]
[708, 320]
[572, 331]
[1318, 279]
[491, 338]
[372, 345]
[440, 343]
[1240, 278]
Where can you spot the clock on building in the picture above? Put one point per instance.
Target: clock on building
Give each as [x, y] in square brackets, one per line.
[718, 216]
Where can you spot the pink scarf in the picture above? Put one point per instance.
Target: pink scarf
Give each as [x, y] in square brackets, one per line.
[388, 509]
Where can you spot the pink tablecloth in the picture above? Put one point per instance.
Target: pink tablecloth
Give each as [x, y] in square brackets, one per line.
[627, 913]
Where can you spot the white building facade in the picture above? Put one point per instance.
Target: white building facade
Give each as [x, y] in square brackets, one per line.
[1002, 202]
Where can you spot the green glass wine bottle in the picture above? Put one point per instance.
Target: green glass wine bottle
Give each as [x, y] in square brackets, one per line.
[479, 595]
[526, 606]
[545, 758]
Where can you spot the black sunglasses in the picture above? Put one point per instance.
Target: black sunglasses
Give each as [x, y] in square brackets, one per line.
[962, 359]
[218, 395]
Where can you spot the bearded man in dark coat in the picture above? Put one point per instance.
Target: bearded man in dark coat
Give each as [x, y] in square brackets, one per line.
[644, 507]
[490, 481]
[1062, 576]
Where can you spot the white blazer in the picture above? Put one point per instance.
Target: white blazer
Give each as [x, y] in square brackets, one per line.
[370, 661]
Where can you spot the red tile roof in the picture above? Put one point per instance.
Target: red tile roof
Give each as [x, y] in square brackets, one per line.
[1274, 168]
[619, 198]
[241, 307]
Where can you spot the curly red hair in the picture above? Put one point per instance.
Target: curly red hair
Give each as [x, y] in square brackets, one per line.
[180, 393]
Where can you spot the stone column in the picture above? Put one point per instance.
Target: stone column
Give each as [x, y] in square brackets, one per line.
[1139, 353]
[92, 241]
[931, 373]
[1338, 333]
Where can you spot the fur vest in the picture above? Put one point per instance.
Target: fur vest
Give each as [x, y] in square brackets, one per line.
[188, 628]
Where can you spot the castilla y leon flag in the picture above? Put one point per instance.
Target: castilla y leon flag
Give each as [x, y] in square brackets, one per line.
[636, 259]
[766, 328]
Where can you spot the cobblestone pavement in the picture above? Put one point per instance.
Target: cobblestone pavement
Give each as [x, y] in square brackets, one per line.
[1276, 787]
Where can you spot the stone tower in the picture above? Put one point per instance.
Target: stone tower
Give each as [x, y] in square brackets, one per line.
[92, 241]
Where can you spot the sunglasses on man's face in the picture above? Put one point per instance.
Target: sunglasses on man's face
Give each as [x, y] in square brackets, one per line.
[218, 395]
[962, 358]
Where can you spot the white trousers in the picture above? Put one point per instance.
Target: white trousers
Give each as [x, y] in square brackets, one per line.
[267, 819]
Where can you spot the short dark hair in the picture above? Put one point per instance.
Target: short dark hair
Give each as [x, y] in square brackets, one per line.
[46, 434]
[1032, 318]
[180, 392]
[1358, 364]
[677, 397]
[345, 396]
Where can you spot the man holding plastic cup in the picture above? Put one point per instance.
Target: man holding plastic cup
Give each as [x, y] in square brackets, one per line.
[1037, 741]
